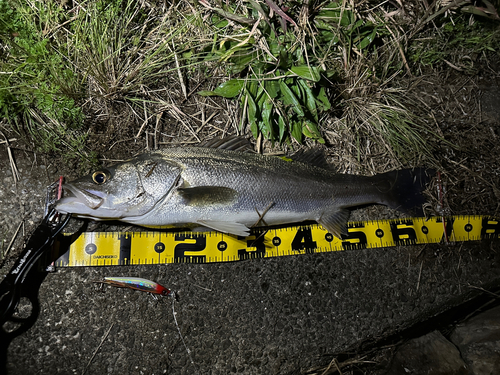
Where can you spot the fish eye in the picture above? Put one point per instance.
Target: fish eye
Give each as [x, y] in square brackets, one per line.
[100, 177]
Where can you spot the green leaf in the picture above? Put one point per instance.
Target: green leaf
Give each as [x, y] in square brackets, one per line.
[240, 62]
[251, 87]
[332, 13]
[255, 129]
[322, 100]
[261, 95]
[289, 98]
[228, 89]
[284, 60]
[282, 127]
[310, 100]
[275, 49]
[252, 113]
[256, 6]
[297, 91]
[367, 41]
[310, 73]
[296, 130]
[356, 25]
[310, 129]
[221, 24]
[267, 109]
[272, 88]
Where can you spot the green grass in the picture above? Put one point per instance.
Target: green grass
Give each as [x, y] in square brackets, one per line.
[458, 41]
[35, 94]
[121, 51]
[62, 67]
[285, 67]
[297, 70]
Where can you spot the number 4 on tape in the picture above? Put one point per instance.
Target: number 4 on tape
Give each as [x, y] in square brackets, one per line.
[116, 248]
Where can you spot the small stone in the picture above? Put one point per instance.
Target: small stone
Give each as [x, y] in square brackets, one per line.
[478, 340]
[431, 354]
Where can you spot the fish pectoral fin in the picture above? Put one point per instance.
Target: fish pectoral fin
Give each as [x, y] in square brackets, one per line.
[336, 223]
[208, 195]
[230, 227]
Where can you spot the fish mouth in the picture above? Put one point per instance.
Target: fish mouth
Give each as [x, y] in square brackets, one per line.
[85, 203]
[90, 198]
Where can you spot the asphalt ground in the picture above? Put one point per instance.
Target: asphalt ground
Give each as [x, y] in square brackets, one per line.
[263, 316]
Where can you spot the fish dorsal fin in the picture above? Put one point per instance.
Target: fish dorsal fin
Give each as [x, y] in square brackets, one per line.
[208, 195]
[231, 143]
[336, 223]
[230, 227]
[312, 156]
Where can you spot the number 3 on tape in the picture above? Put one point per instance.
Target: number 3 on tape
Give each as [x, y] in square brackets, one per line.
[115, 248]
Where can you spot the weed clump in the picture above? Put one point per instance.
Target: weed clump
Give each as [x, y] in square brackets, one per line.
[36, 95]
[285, 59]
[321, 71]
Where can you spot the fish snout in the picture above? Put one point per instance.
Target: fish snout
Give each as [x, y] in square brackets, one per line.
[91, 198]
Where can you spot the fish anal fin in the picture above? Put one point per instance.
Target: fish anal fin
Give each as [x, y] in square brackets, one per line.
[208, 195]
[237, 229]
[336, 223]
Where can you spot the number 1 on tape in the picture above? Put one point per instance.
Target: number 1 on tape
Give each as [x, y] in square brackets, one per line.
[116, 248]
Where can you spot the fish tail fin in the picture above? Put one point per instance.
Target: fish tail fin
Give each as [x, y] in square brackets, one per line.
[403, 189]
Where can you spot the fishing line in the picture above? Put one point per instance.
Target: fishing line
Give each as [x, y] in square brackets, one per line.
[97, 349]
[180, 334]
[152, 288]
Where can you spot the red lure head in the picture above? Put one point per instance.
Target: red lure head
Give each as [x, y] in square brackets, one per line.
[162, 290]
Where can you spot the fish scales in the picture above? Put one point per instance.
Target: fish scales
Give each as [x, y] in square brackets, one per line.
[297, 191]
[231, 191]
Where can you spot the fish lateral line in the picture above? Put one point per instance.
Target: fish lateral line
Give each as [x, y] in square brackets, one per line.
[225, 190]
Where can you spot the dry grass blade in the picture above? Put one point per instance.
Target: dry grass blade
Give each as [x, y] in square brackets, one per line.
[9, 246]
[8, 141]
[377, 125]
[336, 367]
[179, 72]
[428, 17]
[12, 162]
[98, 348]
[280, 11]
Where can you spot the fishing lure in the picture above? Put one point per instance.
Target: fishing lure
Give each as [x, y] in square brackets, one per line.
[138, 283]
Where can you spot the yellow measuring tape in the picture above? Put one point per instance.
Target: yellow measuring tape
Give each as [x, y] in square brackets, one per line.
[128, 248]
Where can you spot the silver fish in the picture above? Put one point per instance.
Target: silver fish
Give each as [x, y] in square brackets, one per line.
[231, 191]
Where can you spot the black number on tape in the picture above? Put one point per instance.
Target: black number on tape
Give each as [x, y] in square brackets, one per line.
[222, 246]
[490, 228]
[276, 241]
[405, 235]
[91, 248]
[358, 240]
[303, 241]
[180, 249]
[159, 247]
[259, 252]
